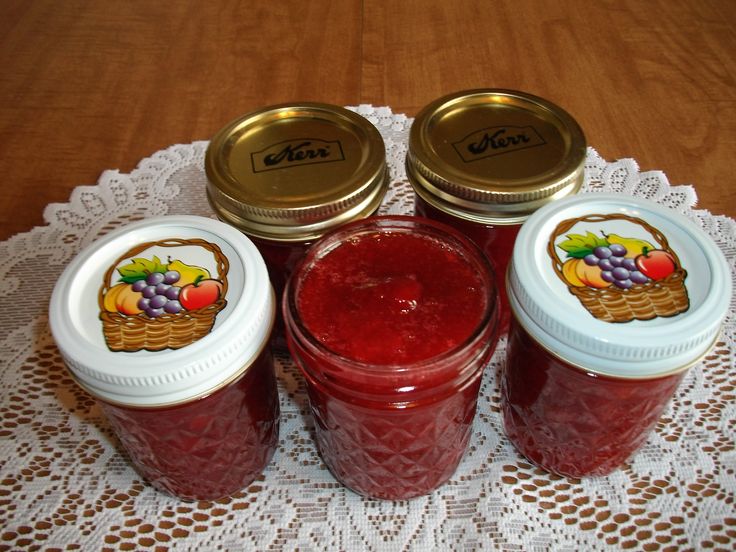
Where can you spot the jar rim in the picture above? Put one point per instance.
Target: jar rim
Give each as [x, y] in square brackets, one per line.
[381, 223]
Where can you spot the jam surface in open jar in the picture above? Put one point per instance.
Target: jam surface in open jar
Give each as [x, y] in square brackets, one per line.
[391, 299]
[404, 324]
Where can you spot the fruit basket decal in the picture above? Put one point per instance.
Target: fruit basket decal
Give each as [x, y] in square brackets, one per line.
[147, 303]
[619, 277]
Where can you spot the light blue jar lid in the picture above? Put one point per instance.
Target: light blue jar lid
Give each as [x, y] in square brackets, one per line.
[125, 355]
[618, 285]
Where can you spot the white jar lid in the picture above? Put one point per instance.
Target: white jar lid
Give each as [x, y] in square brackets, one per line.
[658, 326]
[125, 356]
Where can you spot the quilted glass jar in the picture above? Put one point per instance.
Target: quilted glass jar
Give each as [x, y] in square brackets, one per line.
[391, 321]
[484, 160]
[166, 322]
[614, 299]
[286, 174]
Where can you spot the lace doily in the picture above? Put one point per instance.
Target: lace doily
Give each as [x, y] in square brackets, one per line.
[65, 482]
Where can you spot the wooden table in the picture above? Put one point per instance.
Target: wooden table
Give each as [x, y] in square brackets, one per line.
[89, 85]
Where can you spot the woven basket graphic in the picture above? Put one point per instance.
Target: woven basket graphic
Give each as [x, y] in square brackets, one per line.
[665, 297]
[169, 331]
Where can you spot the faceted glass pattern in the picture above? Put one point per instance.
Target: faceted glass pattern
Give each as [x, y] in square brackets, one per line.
[572, 422]
[392, 329]
[394, 453]
[208, 448]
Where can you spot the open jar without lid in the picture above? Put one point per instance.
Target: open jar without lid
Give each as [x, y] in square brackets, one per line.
[166, 322]
[288, 173]
[391, 320]
[614, 298]
[484, 160]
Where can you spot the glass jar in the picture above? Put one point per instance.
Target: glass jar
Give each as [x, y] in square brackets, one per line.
[286, 174]
[391, 321]
[483, 160]
[166, 322]
[614, 298]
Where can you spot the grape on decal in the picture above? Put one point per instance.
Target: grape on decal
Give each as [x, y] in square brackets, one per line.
[150, 304]
[597, 263]
[615, 276]
[154, 289]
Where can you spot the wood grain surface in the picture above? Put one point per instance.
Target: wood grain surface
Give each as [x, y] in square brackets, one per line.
[89, 85]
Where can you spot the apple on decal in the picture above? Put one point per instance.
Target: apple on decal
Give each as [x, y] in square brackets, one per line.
[657, 264]
[200, 293]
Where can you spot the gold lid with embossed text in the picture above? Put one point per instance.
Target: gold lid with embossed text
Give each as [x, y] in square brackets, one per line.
[494, 156]
[291, 172]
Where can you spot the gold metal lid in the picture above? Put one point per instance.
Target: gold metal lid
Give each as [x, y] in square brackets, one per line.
[291, 172]
[493, 155]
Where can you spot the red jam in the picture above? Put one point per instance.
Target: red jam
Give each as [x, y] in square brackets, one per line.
[280, 258]
[496, 241]
[392, 320]
[208, 448]
[571, 421]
